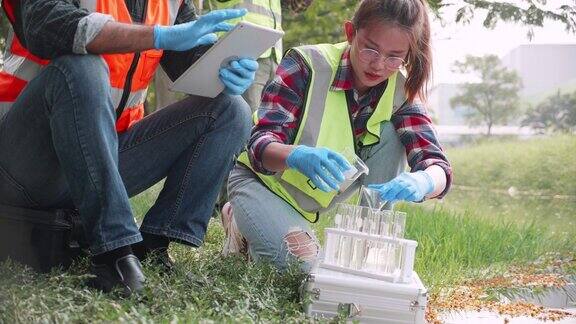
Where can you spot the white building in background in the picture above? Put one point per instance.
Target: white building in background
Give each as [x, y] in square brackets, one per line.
[439, 104]
[543, 68]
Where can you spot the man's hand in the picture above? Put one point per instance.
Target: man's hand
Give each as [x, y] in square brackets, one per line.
[183, 37]
[238, 76]
[407, 186]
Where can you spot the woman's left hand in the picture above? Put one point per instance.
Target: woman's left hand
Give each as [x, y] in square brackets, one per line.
[407, 186]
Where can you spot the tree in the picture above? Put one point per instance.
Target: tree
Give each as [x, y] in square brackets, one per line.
[492, 100]
[531, 13]
[322, 22]
[556, 113]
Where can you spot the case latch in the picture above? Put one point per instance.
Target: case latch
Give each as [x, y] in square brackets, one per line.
[315, 293]
[413, 305]
[349, 309]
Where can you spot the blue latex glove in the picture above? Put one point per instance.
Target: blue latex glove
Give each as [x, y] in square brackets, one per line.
[407, 186]
[185, 36]
[324, 167]
[238, 75]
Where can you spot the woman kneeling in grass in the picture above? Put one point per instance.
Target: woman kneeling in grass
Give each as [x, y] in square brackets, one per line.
[363, 96]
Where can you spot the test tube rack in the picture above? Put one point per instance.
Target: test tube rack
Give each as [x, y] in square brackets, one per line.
[369, 242]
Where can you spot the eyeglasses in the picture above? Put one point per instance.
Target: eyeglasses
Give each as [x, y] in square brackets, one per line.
[368, 55]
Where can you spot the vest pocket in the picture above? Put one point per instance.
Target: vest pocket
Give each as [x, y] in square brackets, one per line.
[150, 62]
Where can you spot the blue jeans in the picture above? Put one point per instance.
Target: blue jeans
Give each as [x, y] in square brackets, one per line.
[59, 149]
[274, 230]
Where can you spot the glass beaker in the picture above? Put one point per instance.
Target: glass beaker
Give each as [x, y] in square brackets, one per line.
[371, 198]
[358, 168]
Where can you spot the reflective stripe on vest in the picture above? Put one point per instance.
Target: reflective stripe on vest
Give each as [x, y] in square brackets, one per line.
[21, 66]
[267, 13]
[14, 65]
[325, 123]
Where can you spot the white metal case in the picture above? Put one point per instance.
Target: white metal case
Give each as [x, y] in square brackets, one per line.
[327, 294]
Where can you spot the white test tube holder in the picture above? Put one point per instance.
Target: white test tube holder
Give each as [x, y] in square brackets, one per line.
[408, 250]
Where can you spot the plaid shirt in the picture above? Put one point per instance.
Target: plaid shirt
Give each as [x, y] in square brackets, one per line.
[282, 105]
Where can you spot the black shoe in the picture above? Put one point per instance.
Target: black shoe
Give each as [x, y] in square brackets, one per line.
[125, 273]
[159, 258]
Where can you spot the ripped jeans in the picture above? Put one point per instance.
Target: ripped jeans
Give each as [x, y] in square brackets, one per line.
[274, 230]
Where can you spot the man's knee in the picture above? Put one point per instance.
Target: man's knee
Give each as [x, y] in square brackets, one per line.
[301, 245]
[87, 68]
[237, 115]
[84, 81]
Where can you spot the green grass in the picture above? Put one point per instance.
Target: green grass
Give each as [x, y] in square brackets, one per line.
[205, 286]
[545, 164]
[542, 166]
[467, 237]
[556, 215]
[452, 247]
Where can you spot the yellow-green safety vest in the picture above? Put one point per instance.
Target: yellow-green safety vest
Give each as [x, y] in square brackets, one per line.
[267, 13]
[325, 122]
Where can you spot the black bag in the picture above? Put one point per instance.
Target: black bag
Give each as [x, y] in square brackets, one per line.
[41, 239]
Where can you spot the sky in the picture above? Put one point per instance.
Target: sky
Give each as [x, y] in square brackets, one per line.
[451, 41]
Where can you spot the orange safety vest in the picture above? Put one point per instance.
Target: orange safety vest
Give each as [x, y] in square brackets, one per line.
[130, 74]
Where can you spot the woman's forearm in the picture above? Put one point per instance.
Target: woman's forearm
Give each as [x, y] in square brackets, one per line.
[274, 156]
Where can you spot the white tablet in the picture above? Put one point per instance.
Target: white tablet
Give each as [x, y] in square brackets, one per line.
[245, 40]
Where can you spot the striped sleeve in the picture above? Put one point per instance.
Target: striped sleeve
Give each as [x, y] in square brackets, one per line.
[420, 140]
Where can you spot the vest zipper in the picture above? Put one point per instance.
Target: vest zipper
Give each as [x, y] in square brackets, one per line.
[131, 70]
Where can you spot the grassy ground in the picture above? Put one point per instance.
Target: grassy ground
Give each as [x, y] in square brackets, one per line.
[453, 245]
[544, 164]
[541, 168]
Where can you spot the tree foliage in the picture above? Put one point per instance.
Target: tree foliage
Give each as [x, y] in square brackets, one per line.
[556, 113]
[493, 100]
[322, 22]
[531, 13]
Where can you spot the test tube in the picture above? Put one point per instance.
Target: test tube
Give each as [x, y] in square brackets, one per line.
[333, 241]
[359, 245]
[345, 247]
[399, 224]
[399, 229]
[384, 258]
[371, 225]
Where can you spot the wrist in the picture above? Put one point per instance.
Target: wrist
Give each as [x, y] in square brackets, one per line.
[428, 182]
[291, 156]
[158, 30]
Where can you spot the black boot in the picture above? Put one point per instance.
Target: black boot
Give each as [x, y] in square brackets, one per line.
[125, 273]
[154, 248]
[157, 257]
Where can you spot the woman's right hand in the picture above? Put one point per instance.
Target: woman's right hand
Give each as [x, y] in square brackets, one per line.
[324, 167]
